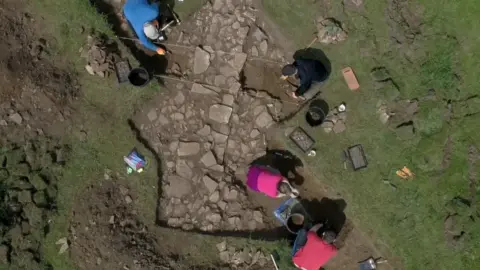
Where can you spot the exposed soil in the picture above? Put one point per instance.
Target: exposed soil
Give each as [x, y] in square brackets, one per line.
[106, 233]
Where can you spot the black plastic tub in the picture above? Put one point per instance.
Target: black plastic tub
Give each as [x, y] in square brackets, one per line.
[139, 77]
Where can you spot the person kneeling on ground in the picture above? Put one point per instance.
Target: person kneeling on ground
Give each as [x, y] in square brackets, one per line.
[313, 249]
[311, 73]
[143, 16]
[269, 182]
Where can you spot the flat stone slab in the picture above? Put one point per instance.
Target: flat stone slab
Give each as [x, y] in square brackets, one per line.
[188, 149]
[220, 113]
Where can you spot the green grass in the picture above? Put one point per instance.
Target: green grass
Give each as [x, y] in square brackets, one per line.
[410, 219]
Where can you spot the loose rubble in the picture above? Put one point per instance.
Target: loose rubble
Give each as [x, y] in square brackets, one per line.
[100, 54]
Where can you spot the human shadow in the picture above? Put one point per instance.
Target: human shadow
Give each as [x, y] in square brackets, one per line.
[153, 63]
[283, 161]
[327, 211]
[314, 54]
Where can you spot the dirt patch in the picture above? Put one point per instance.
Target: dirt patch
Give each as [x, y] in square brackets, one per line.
[35, 94]
[106, 233]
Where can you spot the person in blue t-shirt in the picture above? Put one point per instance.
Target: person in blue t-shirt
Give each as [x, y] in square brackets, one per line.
[142, 16]
[311, 73]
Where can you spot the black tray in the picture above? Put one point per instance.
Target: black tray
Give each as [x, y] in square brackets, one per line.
[357, 157]
[122, 69]
[302, 139]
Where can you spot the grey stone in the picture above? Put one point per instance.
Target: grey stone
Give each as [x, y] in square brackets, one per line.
[221, 246]
[254, 51]
[220, 113]
[3, 123]
[178, 187]
[210, 184]
[128, 199]
[231, 195]
[239, 61]
[24, 197]
[188, 148]
[234, 209]
[219, 137]
[180, 210]
[228, 71]
[224, 255]
[208, 159]
[162, 120]
[228, 100]
[258, 216]
[16, 118]
[259, 35]
[214, 218]
[200, 89]
[254, 133]
[205, 131]
[242, 33]
[236, 25]
[219, 152]
[263, 47]
[178, 116]
[217, 5]
[234, 87]
[183, 169]
[258, 110]
[264, 120]
[179, 98]
[217, 168]
[173, 146]
[214, 197]
[339, 127]
[201, 61]
[222, 205]
[152, 115]
[220, 80]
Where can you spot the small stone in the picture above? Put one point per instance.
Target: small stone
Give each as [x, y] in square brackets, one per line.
[218, 168]
[188, 149]
[228, 100]
[234, 87]
[264, 47]
[205, 131]
[339, 127]
[236, 25]
[239, 61]
[210, 184]
[214, 197]
[214, 218]
[179, 98]
[208, 159]
[111, 220]
[254, 133]
[152, 115]
[128, 199]
[201, 61]
[222, 205]
[264, 120]
[219, 137]
[220, 80]
[258, 216]
[183, 169]
[90, 70]
[259, 35]
[220, 113]
[232, 195]
[225, 256]
[3, 122]
[222, 246]
[254, 51]
[178, 116]
[16, 118]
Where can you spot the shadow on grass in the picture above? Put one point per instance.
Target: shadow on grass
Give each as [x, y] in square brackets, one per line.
[283, 161]
[153, 63]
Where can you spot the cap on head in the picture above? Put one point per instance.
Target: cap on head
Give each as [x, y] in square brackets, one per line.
[289, 70]
[151, 31]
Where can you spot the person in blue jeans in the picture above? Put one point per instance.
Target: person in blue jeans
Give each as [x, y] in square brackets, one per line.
[142, 16]
[311, 73]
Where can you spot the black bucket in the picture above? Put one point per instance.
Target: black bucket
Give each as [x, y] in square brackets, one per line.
[295, 223]
[139, 77]
[317, 112]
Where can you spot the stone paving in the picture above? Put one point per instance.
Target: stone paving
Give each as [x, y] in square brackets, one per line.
[207, 129]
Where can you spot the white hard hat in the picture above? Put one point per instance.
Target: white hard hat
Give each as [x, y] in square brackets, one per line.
[151, 31]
